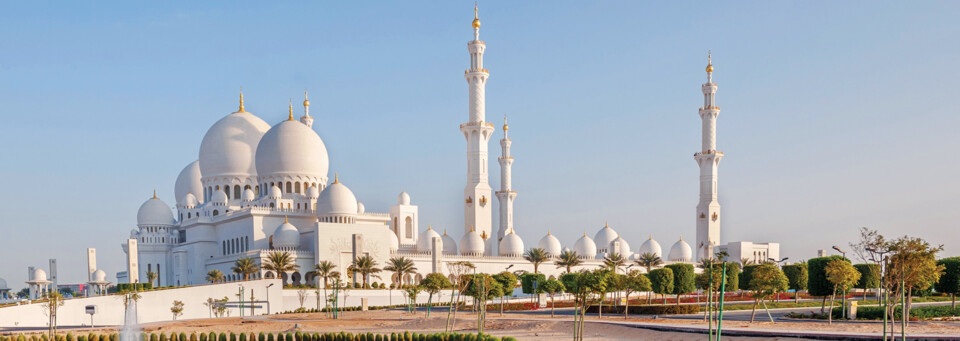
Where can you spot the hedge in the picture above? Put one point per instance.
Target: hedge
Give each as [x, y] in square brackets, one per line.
[527, 279]
[121, 287]
[684, 278]
[300, 336]
[869, 276]
[950, 280]
[817, 283]
[733, 277]
[920, 313]
[797, 276]
[746, 275]
[649, 309]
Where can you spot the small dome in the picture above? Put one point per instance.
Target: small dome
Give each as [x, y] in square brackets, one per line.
[248, 195]
[3, 284]
[229, 146]
[551, 244]
[651, 246]
[449, 245]
[188, 181]
[337, 199]
[134, 233]
[154, 212]
[189, 201]
[403, 198]
[394, 242]
[604, 237]
[99, 276]
[621, 245]
[585, 247]
[472, 244]
[313, 192]
[360, 208]
[286, 236]
[39, 275]
[219, 198]
[511, 245]
[681, 252]
[291, 148]
[425, 240]
[275, 192]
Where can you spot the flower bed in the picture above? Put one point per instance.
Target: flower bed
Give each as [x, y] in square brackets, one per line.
[298, 336]
[648, 309]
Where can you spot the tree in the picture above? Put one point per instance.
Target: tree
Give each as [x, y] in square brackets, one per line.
[151, 277]
[634, 281]
[582, 285]
[245, 266]
[54, 300]
[400, 267]
[843, 276]
[796, 278]
[733, 277]
[817, 283]
[552, 287]
[323, 270]
[536, 256]
[365, 266]
[746, 261]
[567, 260]
[684, 279]
[215, 276]
[649, 260]
[614, 261]
[508, 281]
[766, 280]
[949, 283]
[280, 262]
[913, 263]
[661, 281]
[460, 281]
[747, 276]
[530, 283]
[432, 284]
[869, 277]
[177, 309]
[481, 287]
[210, 303]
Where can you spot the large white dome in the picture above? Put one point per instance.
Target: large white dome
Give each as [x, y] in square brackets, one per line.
[472, 244]
[154, 212]
[550, 244]
[291, 148]
[99, 276]
[604, 237]
[338, 200]
[449, 244]
[651, 246]
[229, 146]
[624, 247]
[681, 252]
[511, 245]
[189, 182]
[585, 247]
[425, 240]
[286, 236]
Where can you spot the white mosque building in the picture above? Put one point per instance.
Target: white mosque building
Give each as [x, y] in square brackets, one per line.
[256, 189]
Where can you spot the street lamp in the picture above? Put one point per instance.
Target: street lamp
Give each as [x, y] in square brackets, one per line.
[843, 309]
[879, 257]
[779, 262]
[268, 297]
[840, 251]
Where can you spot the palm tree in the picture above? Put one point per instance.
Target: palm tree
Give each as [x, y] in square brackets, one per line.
[400, 266]
[245, 267]
[215, 276]
[568, 259]
[536, 256]
[649, 260]
[614, 261]
[706, 262]
[151, 276]
[364, 265]
[280, 262]
[745, 261]
[323, 270]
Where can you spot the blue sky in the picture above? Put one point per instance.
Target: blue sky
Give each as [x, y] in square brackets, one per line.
[835, 114]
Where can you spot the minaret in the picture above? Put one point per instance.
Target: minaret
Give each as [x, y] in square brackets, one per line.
[506, 195]
[708, 210]
[306, 118]
[477, 132]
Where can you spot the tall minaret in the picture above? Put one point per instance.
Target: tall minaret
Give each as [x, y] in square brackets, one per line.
[708, 210]
[506, 195]
[477, 131]
[306, 118]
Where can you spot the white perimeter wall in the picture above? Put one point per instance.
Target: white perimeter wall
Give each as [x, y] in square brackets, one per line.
[154, 306]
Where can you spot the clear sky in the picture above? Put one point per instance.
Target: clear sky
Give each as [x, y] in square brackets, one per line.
[835, 115]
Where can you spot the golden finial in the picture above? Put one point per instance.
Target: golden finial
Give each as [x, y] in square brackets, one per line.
[290, 118]
[476, 18]
[605, 225]
[306, 101]
[444, 232]
[154, 194]
[709, 62]
[471, 228]
[651, 236]
[548, 232]
[336, 178]
[681, 237]
[429, 227]
[285, 220]
[241, 101]
[505, 127]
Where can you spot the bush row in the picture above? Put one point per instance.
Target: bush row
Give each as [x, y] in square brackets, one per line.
[648, 309]
[298, 336]
[919, 313]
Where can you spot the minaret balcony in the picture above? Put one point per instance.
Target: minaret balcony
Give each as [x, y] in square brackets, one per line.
[710, 108]
[483, 124]
[478, 70]
[709, 152]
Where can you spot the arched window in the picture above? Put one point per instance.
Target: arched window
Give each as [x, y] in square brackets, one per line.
[289, 187]
[236, 192]
[395, 227]
[272, 205]
[215, 212]
[256, 190]
[163, 239]
[224, 247]
[188, 215]
[409, 229]
[296, 187]
[246, 240]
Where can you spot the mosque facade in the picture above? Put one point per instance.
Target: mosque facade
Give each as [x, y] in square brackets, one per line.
[257, 189]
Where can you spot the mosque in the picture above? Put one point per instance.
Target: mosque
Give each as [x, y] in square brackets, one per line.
[257, 189]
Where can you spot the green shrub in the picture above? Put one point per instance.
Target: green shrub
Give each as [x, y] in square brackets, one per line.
[684, 279]
[163, 337]
[223, 337]
[153, 337]
[183, 337]
[261, 337]
[69, 337]
[203, 336]
[243, 336]
[212, 336]
[817, 283]
[671, 309]
[527, 279]
[233, 337]
[869, 276]
[950, 280]
[746, 275]
[270, 337]
[796, 276]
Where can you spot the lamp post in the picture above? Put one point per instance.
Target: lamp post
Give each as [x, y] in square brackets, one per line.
[843, 298]
[268, 297]
[879, 256]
